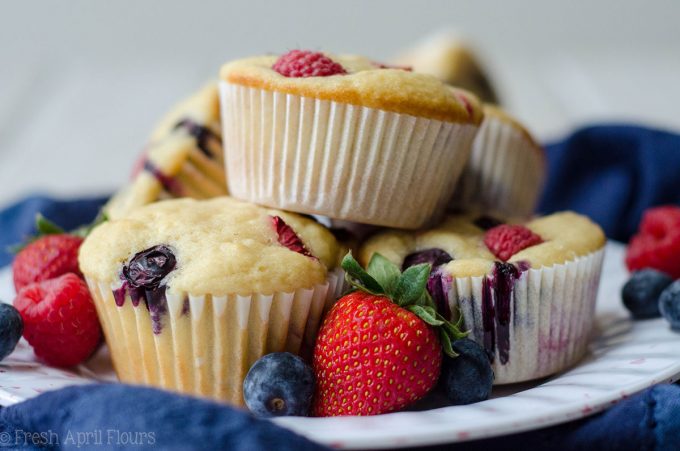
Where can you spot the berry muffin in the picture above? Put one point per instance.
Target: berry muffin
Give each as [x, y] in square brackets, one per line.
[525, 292]
[506, 170]
[191, 293]
[448, 58]
[344, 137]
[184, 157]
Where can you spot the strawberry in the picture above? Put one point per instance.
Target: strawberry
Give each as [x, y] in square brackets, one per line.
[506, 240]
[47, 257]
[60, 320]
[305, 63]
[380, 347]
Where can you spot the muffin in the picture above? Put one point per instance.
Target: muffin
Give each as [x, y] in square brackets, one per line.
[525, 292]
[191, 292]
[448, 58]
[184, 157]
[506, 170]
[344, 137]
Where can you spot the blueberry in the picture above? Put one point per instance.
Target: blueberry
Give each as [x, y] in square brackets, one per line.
[467, 378]
[279, 384]
[149, 267]
[434, 256]
[669, 304]
[641, 293]
[11, 328]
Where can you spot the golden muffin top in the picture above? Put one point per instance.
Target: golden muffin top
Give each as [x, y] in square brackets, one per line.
[221, 246]
[364, 83]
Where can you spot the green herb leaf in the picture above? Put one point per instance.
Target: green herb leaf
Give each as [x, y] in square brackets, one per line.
[358, 278]
[384, 272]
[46, 227]
[411, 285]
[427, 314]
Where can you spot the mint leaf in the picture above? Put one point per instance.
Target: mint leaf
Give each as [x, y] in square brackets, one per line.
[358, 278]
[384, 272]
[427, 314]
[410, 286]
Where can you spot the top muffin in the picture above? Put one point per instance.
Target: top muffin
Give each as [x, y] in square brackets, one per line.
[218, 246]
[360, 81]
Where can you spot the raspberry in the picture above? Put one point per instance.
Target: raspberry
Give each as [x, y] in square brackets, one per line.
[305, 63]
[45, 258]
[288, 238]
[506, 240]
[657, 244]
[60, 320]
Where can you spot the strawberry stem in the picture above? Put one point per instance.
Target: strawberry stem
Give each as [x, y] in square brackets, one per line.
[408, 290]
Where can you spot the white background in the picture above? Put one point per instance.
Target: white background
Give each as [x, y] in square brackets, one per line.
[83, 81]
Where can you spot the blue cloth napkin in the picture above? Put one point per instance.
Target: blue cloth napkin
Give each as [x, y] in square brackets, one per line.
[611, 173]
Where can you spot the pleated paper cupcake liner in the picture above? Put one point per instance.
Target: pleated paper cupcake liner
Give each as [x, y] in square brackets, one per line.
[339, 160]
[204, 345]
[542, 327]
[505, 172]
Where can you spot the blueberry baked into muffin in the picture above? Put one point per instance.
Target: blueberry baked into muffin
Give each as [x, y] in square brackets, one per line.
[526, 291]
[344, 137]
[184, 157]
[190, 293]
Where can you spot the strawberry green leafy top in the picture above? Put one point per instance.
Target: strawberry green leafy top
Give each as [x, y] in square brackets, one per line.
[407, 290]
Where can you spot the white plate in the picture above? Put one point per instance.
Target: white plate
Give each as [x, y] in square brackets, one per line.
[625, 357]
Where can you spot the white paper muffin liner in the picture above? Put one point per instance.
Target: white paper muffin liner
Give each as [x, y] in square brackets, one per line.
[207, 343]
[504, 174]
[551, 317]
[339, 160]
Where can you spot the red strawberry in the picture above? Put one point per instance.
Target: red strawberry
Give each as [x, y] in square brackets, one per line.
[305, 63]
[377, 350]
[288, 238]
[657, 244]
[47, 257]
[60, 320]
[506, 240]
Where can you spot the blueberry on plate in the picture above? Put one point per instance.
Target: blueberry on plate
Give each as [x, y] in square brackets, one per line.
[279, 384]
[11, 328]
[641, 293]
[467, 378]
[669, 304]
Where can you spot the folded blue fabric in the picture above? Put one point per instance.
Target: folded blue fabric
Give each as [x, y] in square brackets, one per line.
[611, 173]
[114, 416]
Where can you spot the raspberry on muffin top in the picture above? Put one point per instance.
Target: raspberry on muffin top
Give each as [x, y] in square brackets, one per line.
[543, 242]
[221, 246]
[355, 80]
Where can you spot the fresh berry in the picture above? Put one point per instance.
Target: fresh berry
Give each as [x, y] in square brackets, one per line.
[45, 258]
[669, 304]
[506, 240]
[657, 244]
[279, 384]
[11, 327]
[288, 238]
[60, 320]
[641, 293]
[468, 377]
[434, 257]
[148, 268]
[378, 350]
[305, 63]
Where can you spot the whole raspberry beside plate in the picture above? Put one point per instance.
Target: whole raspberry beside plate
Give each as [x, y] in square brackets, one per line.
[380, 347]
[657, 243]
[60, 321]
